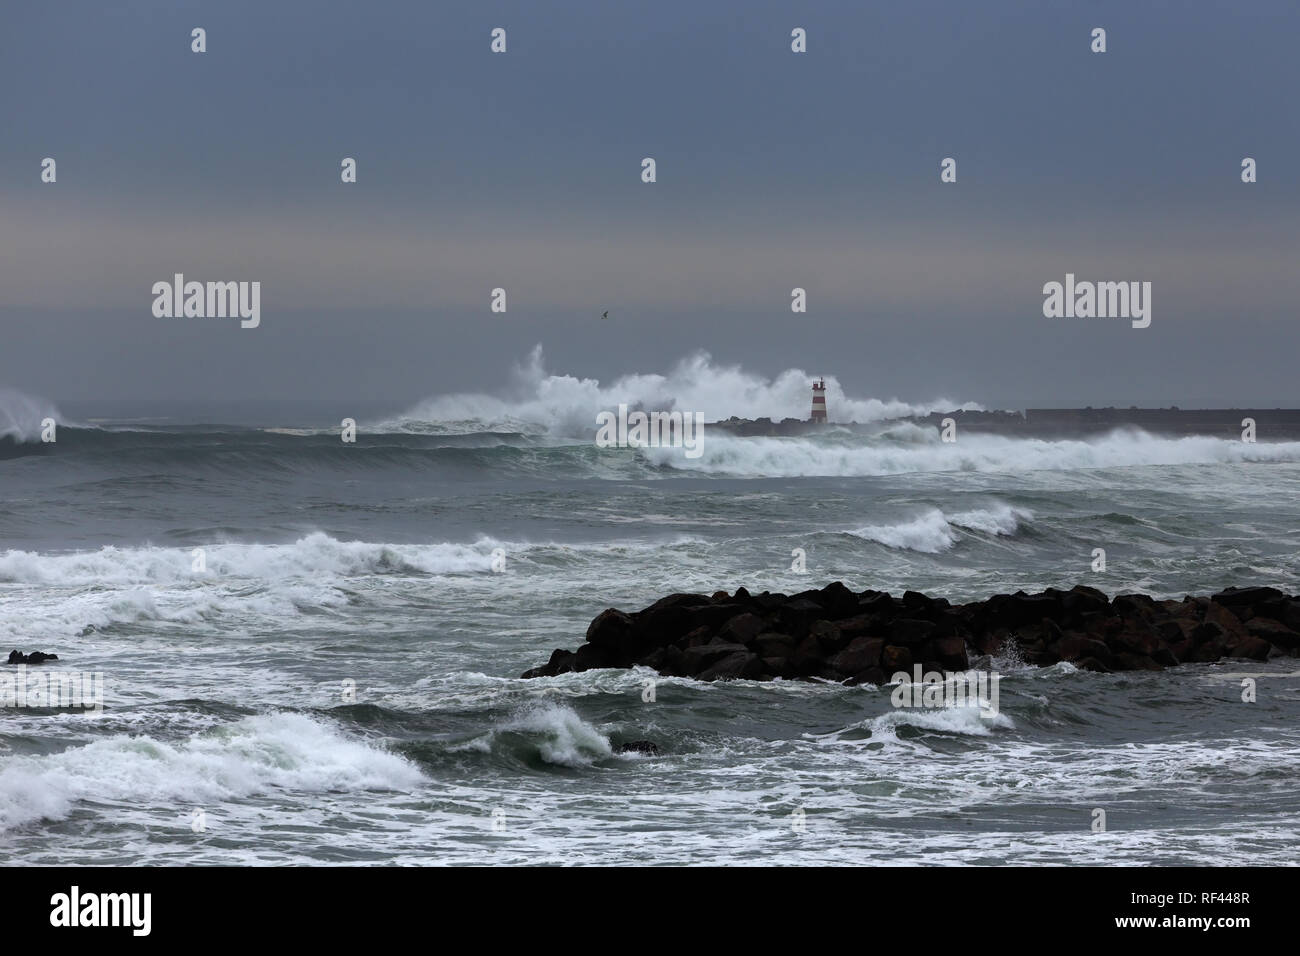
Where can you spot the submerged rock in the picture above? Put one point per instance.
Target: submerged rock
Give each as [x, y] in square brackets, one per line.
[648, 747]
[35, 657]
[837, 634]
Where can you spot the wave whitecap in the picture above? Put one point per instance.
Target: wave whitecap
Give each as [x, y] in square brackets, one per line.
[965, 720]
[311, 556]
[547, 731]
[910, 453]
[933, 531]
[252, 756]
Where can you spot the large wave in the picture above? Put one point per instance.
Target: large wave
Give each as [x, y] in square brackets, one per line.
[58, 595]
[313, 557]
[567, 405]
[257, 755]
[21, 415]
[933, 531]
[549, 731]
[921, 450]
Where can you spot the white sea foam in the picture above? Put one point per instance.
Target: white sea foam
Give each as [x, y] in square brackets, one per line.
[313, 555]
[53, 595]
[807, 457]
[280, 751]
[561, 736]
[46, 596]
[933, 531]
[566, 404]
[965, 720]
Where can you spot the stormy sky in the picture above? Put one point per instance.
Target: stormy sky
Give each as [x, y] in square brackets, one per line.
[775, 170]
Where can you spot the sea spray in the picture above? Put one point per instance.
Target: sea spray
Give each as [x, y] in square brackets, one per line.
[565, 404]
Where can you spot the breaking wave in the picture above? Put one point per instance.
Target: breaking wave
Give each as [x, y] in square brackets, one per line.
[255, 755]
[862, 456]
[933, 531]
[548, 732]
[310, 557]
[567, 405]
[21, 415]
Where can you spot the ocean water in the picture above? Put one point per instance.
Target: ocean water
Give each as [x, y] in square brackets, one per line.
[339, 683]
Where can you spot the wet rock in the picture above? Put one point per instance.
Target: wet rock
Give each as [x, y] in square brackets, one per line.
[561, 661]
[1246, 597]
[908, 631]
[742, 628]
[830, 639]
[861, 654]
[773, 644]
[872, 675]
[35, 657]
[703, 656]
[836, 634]
[1081, 647]
[593, 657]
[735, 666]
[697, 637]
[1274, 632]
[1251, 648]
[837, 599]
[949, 653]
[613, 630]
[779, 667]
[647, 747]
[795, 616]
[894, 658]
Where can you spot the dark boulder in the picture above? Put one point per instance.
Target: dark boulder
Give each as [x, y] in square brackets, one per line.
[35, 657]
[647, 747]
[702, 656]
[1238, 597]
[910, 631]
[1079, 647]
[949, 653]
[613, 630]
[828, 635]
[837, 599]
[1251, 648]
[592, 657]
[795, 616]
[742, 628]
[894, 658]
[738, 665]
[773, 644]
[713, 616]
[878, 602]
[1274, 632]
[861, 653]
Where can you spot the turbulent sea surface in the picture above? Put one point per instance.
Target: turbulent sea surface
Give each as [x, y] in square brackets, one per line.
[372, 563]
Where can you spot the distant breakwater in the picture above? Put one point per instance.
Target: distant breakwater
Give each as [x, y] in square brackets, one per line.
[1268, 424]
[837, 634]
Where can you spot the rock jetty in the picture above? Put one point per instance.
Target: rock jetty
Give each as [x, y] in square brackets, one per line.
[838, 634]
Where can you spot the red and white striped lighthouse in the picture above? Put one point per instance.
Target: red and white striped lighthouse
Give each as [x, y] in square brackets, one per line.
[819, 401]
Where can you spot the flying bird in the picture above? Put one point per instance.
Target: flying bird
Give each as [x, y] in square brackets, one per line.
[605, 314]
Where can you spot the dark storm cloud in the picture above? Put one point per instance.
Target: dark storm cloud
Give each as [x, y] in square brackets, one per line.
[775, 170]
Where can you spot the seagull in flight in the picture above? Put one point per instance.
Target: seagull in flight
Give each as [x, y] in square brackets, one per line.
[605, 314]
